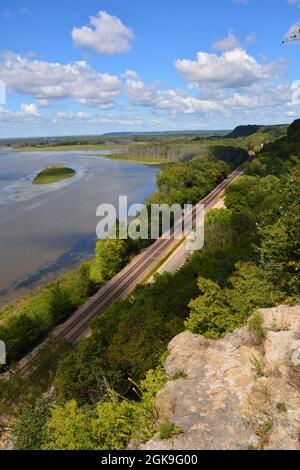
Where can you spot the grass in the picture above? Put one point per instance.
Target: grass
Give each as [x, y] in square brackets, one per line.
[62, 148]
[257, 363]
[168, 430]
[54, 174]
[256, 329]
[144, 159]
[281, 406]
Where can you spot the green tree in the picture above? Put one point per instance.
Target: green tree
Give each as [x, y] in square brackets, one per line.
[60, 302]
[30, 429]
[210, 314]
[111, 256]
[114, 424]
[69, 428]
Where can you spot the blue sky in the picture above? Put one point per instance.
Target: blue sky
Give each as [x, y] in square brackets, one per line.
[87, 67]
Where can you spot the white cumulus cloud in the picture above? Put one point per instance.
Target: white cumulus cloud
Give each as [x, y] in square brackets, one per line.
[228, 43]
[175, 101]
[231, 69]
[46, 81]
[29, 109]
[105, 35]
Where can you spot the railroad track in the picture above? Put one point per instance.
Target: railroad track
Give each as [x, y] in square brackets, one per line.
[78, 325]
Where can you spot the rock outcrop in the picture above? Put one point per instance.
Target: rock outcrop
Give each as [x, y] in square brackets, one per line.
[235, 393]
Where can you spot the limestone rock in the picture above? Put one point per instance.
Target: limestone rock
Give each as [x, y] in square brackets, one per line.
[233, 394]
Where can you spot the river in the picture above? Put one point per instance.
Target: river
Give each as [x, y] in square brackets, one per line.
[46, 230]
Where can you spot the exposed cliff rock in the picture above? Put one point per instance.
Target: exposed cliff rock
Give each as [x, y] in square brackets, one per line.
[235, 393]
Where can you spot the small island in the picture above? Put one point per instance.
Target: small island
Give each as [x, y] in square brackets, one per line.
[53, 174]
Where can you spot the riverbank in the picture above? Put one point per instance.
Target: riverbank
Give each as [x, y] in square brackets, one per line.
[58, 221]
[144, 160]
[65, 148]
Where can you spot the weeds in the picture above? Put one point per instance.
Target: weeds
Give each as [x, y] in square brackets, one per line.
[256, 330]
[168, 430]
[257, 363]
[281, 406]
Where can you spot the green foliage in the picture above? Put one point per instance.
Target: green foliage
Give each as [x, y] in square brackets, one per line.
[17, 390]
[119, 346]
[114, 424]
[250, 260]
[279, 250]
[243, 131]
[256, 330]
[193, 180]
[18, 333]
[293, 132]
[281, 406]
[218, 311]
[30, 429]
[69, 428]
[60, 303]
[251, 193]
[226, 228]
[26, 322]
[111, 256]
[258, 365]
[53, 174]
[251, 290]
[147, 412]
[168, 430]
[111, 424]
[210, 314]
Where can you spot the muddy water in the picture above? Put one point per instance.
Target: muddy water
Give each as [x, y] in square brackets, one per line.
[47, 229]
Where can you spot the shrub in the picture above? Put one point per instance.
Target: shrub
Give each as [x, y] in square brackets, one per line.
[256, 330]
[30, 429]
[69, 428]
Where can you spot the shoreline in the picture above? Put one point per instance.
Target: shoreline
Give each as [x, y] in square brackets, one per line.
[84, 148]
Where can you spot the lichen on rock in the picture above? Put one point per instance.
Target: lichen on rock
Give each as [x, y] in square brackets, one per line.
[232, 393]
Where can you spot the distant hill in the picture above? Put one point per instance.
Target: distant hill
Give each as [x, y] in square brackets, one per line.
[243, 131]
[202, 133]
[294, 132]
[263, 133]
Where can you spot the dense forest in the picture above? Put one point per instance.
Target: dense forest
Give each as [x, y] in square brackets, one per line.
[99, 393]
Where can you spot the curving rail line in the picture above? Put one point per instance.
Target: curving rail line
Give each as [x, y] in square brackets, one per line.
[78, 325]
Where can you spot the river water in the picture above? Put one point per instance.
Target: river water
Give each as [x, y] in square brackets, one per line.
[45, 230]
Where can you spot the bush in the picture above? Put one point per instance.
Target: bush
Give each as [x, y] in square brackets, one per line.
[111, 424]
[69, 428]
[219, 311]
[30, 429]
[210, 314]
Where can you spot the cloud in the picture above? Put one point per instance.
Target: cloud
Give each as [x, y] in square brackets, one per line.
[174, 101]
[294, 2]
[228, 43]
[105, 35]
[53, 81]
[18, 123]
[231, 69]
[29, 109]
[131, 74]
[251, 38]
